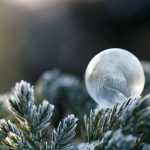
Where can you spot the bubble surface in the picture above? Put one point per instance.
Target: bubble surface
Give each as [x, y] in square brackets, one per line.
[114, 75]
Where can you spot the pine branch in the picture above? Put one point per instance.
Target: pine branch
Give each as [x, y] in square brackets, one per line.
[13, 137]
[88, 146]
[136, 118]
[146, 147]
[92, 126]
[64, 133]
[100, 122]
[117, 141]
[33, 120]
[125, 127]
[64, 91]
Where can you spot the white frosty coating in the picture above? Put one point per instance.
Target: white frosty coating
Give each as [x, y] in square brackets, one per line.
[45, 103]
[70, 117]
[119, 139]
[26, 88]
[114, 75]
[146, 147]
[88, 146]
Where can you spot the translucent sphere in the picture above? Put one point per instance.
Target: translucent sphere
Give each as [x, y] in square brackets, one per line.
[113, 76]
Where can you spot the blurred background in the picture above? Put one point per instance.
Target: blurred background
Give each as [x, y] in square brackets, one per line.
[38, 35]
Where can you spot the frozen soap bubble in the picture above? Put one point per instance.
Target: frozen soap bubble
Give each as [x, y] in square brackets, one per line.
[113, 76]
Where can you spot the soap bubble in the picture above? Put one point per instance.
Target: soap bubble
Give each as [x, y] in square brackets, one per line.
[113, 76]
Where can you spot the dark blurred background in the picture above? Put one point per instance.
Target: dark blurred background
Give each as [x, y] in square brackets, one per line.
[38, 35]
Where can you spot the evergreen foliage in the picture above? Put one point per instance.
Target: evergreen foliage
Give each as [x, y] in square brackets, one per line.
[66, 92]
[125, 127]
[32, 120]
[64, 133]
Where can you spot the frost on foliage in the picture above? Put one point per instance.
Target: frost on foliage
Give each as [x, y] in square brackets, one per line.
[65, 91]
[125, 127]
[12, 136]
[118, 141]
[33, 120]
[99, 122]
[53, 82]
[136, 117]
[64, 133]
[88, 146]
[32, 117]
[146, 147]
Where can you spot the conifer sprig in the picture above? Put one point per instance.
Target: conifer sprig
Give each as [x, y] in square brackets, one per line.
[32, 120]
[125, 127]
[64, 133]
